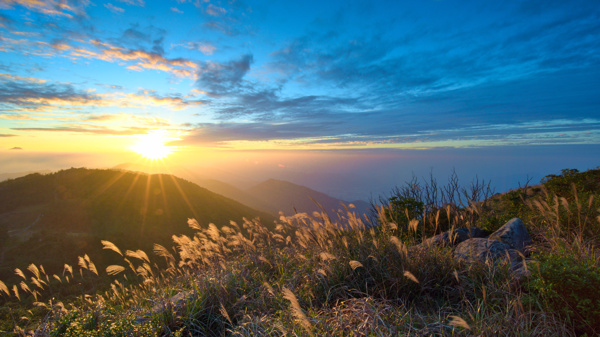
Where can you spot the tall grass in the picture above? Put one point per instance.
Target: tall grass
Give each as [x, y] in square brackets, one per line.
[315, 275]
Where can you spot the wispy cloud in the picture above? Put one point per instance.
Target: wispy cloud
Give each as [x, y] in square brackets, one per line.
[149, 121]
[215, 10]
[89, 129]
[67, 8]
[140, 3]
[139, 59]
[321, 134]
[205, 47]
[29, 94]
[145, 98]
[114, 9]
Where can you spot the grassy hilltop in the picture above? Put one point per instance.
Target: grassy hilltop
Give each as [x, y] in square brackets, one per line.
[53, 218]
[343, 276]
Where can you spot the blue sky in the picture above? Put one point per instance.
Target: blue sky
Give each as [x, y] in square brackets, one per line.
[300, 76]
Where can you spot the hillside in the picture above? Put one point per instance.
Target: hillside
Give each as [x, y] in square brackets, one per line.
[288, 198]
[53, 218]
[270, 196]
[395, 279]
[13, 175]
[409, 277]
[237, 194]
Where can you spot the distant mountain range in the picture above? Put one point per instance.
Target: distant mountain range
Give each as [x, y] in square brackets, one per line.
[53, 218]
[13, 175]
[288, 198]
[271, 195]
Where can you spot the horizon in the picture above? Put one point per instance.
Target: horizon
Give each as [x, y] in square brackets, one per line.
[347, 98]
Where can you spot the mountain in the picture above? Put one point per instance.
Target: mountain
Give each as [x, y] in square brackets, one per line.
[53, 218]
[234, 193]
[271, 196]
[13, 175]
[288, 197]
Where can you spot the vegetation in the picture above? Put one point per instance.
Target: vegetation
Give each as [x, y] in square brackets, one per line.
[51, 219]
[312, 275]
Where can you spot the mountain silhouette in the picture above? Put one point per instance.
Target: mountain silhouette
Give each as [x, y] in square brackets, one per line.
[289, 198]
[53, 218]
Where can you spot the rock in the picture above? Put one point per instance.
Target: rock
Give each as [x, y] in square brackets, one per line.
[483, 250]
[521, 272]
[456, 236]
[514, 234]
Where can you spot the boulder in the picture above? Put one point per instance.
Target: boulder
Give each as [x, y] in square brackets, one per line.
[483, 250]
[514, 234]
[454, 237]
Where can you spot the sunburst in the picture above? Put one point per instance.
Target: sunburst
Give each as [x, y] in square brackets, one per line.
[153, 145]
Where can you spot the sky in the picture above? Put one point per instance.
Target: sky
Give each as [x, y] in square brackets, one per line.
[347, 97]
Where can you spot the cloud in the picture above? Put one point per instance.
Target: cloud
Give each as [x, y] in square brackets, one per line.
[26, 94]
[205, 47]
[6, 135]
[221, 78]
[16, 148]
[136, 37]
[430, 55]
[150, 121]
[67, 8]
[25, 79]
[316, 134]
[32, 94]
[223, 27]
[140, 59]
[268, 105]
[229, 21]
[215, 10]
[175, 101]
[176, 10]
[114, 9]
[90, 129]
[146, 98]
[5, 21]
[139, 3]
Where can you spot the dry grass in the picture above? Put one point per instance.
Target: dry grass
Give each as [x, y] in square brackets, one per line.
[312, 275]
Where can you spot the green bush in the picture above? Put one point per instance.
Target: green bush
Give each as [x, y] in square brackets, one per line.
[569, 285]
[403, 209]
[560, 185]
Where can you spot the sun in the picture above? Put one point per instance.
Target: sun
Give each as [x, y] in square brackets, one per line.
[153, 146]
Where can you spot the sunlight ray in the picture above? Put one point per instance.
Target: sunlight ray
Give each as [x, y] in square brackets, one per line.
[145, 206]
[131, 186]
[184, 196]
[109, 184]
[164, 195]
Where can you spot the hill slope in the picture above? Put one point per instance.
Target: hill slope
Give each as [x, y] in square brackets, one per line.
[285, 196]
[55, 217]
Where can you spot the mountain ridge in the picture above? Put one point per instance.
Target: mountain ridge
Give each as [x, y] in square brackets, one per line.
[68, 212]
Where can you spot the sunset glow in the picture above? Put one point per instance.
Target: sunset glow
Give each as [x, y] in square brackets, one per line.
[153, 145]
[248, 83]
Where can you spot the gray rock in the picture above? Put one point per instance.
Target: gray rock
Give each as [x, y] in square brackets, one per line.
[521, 272]
[514, 234]
[456, 236]
[483, 250]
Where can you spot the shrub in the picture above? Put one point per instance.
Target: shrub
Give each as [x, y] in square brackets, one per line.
[567, 281]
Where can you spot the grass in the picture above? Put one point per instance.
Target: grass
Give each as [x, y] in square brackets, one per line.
[317, 276]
